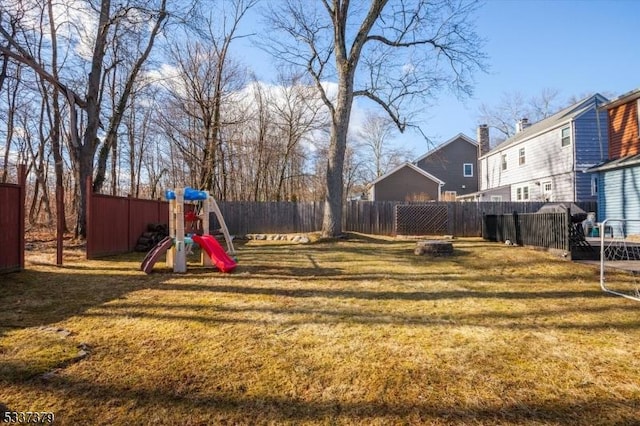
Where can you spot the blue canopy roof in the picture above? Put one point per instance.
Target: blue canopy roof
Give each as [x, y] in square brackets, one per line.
[190, 194]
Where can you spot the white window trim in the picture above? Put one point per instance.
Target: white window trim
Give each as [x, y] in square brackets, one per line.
[503, 161]
[594, 185]
[520, 193]
[496, 198]
[464, 169]
[522, 157]
[562, 137]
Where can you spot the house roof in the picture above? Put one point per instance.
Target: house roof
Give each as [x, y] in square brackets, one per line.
[622, 99]
[413, 167]
[618, 163]
[442, 145]
[556, 120]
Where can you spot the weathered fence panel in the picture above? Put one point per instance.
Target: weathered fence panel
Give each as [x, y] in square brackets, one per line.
[246, 217]
[369, 217]
[12, 224]
[463, 219]
[116, 222]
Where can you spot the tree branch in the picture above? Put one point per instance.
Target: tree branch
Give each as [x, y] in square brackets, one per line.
[400, 124]
[31, 63]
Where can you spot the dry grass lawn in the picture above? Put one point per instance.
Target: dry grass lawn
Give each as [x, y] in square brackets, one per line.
[359, 331]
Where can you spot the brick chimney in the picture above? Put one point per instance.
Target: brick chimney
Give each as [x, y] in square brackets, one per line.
[522, 124]
[483, 140]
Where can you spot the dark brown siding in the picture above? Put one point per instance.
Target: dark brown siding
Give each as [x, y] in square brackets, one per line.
[12, 225]
[406, 184]
[623, 130]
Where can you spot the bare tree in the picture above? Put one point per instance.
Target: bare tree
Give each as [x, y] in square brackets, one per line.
[11, 83]
[376, 143]
[83, 130]
[514, 106]
[298, 114]
[392, 52]
[221, 43]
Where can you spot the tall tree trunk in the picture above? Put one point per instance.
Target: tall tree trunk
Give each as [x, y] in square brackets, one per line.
[110, 143]
[332, 221]
[11, 117]
[85, 151]
[56, 124]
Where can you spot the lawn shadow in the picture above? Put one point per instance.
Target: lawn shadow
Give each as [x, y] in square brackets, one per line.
[37, 297]
[436, 294]
[285, 315]
[240, 405]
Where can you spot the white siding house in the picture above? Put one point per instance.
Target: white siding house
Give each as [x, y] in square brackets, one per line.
[545, 161]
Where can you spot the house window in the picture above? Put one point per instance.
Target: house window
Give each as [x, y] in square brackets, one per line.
[566, 136]
[594, 185]
[504, 161]
[468, 169]
[522, 193]
[521, 157]
[496, 198]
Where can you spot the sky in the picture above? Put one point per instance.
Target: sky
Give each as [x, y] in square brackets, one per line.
[577, 47]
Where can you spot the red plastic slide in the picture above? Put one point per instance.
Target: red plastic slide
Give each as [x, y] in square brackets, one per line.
[215, 251]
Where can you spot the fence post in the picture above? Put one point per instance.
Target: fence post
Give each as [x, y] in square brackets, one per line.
[60, 224]
[567, 231]
[516, 226]
[89, 192]
[22, 183]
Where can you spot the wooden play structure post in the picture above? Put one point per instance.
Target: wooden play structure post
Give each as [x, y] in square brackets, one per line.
[223, 225]
[179, 250]
[177, 254]
[176, 244]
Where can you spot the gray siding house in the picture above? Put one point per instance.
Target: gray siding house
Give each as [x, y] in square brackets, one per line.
[442, 173]
[406, 183]
[545, 161]
[455, 162]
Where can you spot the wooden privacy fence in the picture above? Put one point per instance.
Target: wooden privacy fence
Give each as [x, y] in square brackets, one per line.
[548, 230]
[12, 223]
[370, 217]
[245, 217]
[115, 223]
[460, 219]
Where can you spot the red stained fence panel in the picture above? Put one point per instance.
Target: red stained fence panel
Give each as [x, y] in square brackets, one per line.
[114, 224]
[12, 225]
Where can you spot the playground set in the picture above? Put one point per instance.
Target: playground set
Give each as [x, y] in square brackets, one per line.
[178, 244]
